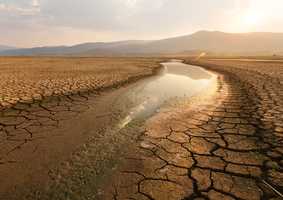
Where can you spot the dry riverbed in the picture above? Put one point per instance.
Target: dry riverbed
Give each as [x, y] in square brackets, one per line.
[223, 143]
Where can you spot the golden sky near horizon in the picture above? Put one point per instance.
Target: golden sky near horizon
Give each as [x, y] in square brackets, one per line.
[27, 23]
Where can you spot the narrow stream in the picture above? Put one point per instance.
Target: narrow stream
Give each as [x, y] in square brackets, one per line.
[103, 128]
[175, 80]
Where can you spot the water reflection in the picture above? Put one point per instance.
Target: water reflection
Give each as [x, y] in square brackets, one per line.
[190, 71]
[176, 80]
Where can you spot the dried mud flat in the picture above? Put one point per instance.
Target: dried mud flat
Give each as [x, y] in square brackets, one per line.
[226, 145]
[28, 79]
[223, 144]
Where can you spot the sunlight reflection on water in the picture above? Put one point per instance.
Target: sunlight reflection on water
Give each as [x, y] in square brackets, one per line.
[176, 80]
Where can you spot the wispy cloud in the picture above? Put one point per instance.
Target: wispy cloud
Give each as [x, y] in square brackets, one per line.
[13, 8]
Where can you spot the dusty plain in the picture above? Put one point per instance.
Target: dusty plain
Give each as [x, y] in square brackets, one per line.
[225, 143]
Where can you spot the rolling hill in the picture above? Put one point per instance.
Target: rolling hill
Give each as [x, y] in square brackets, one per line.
[204, 41]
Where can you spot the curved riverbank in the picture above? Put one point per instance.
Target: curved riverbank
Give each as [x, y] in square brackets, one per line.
[260, 84]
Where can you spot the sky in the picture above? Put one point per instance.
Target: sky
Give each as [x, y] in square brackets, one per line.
[29, 23]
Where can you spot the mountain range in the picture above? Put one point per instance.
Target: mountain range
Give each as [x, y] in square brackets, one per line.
[202, 41]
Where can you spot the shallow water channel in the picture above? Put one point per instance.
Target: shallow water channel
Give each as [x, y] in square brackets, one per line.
[98, 128]
[175, 80]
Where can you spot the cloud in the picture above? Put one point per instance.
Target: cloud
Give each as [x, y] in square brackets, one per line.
[15, 8]
[35, 3]
[131, 15]
[129, 19]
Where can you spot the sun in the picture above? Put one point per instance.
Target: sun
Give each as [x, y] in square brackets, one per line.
[251, 19]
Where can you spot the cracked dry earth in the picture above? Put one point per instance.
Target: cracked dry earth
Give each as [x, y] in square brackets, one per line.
[30, 79]
[227, 145]
[223, 144]
[37, 134]
[37, 93]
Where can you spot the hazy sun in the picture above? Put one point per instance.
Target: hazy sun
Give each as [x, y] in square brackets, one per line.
[252, 19]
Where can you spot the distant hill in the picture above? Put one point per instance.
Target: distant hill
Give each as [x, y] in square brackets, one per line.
[79, 49]
[5, 48]
[202, 41]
